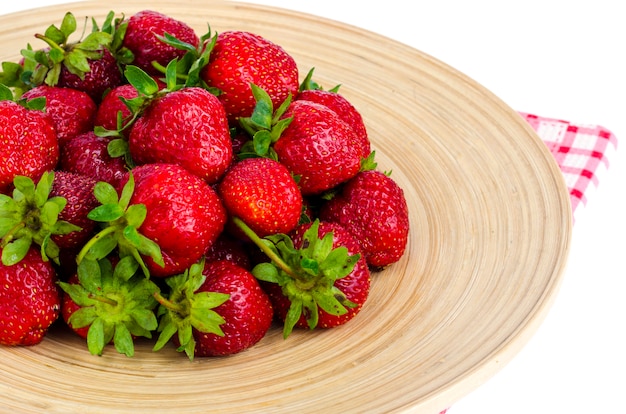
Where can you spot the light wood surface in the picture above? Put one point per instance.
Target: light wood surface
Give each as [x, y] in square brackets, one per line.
[490, 232]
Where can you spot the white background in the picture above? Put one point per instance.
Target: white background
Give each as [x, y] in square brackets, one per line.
[560, 59]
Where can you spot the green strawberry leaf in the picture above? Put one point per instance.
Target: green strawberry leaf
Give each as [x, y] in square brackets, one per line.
[143, 82]
[15, 251]
[105, 193]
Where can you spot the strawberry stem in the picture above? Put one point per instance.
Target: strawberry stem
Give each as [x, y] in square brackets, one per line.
[103, 299]
[168, 303]
[83, 252]
[264, 248]
[8, 237]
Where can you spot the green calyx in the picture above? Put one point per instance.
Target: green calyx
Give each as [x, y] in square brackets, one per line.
[116, 303]
[120, 222]
[31, 216]
[185, 309]
[264, 126]
[307, 275]
[189, 67]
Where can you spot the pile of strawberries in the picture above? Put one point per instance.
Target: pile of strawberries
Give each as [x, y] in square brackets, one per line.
[159, 183]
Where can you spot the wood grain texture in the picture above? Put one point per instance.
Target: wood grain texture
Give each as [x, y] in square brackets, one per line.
[490, 231]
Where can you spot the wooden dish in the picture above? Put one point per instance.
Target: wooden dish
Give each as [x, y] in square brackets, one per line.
[490, 231]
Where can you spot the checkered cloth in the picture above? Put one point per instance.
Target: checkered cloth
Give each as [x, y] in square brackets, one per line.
[579, 149]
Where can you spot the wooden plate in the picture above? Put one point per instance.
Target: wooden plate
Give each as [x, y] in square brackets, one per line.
[490, 232]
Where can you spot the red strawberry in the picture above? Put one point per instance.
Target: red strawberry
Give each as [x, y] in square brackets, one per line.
[87, 154]
[247, 313]
[103, 74]
[373, 208]
[29, 143]
[263, 194]
[111, 104]
[29, 300]
[342, 107]
[77, 189]
[184, 215]
[240, 58]
[71, 110]
[187, 127]
[319, 147]
[142, 39]
[317, 277]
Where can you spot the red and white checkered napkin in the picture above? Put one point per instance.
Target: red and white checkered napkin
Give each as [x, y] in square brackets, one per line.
[579, 149]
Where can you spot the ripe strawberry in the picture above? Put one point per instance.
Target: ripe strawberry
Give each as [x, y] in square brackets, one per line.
[263, 194]
[319, 147]
[373, 208]
[317, 277]
[87, 154]
[240, 58]
[103, 74]
[29, 300]
[109, 302]
[164, 212]
[143, 39]
[344, 109]
[215, 308]
[71, 110]
[111, 104]
[77, 190]
[29, 143]
[191, 119]
[248, 312]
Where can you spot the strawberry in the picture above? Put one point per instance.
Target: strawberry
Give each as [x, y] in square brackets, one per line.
[103, 74]
[164, 212]
[241, 58]
[29, 143]
[29, 300]
[109, 302]
[113, 107]
[87, 154]
[192, 119]
[262, 193]
[215, 308]
[373, 208]
[319, 147]
[317, 276]
[344, 109]
[71, 110]
[143, 38]
[248, 312]
[77, 190]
